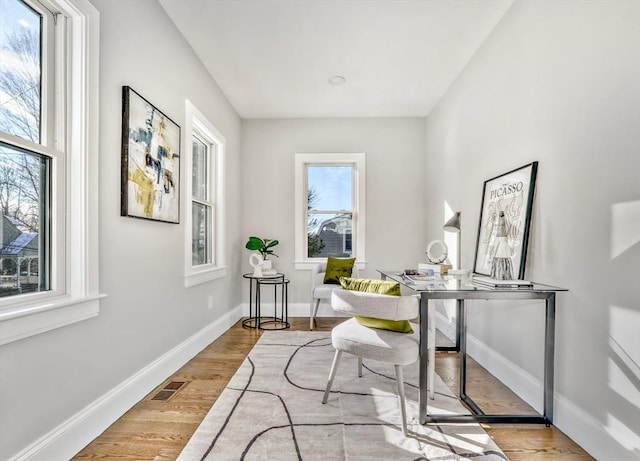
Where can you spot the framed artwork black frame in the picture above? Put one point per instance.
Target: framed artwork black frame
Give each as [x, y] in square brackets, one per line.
[150, 163]
[512, 193]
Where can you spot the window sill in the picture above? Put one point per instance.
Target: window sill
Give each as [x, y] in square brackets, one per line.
[309, 265]
[32, 319]
[205, 275]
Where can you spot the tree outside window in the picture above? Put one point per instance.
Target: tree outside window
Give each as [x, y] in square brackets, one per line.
[24, 172]
[314, 242]
[329, 210]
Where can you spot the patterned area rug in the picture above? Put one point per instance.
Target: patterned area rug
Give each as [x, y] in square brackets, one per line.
[272, 410]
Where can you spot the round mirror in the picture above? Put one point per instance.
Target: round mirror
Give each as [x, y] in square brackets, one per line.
[437, 252]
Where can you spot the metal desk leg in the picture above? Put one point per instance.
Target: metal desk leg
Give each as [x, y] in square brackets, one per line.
[459, 308]
[423, 394]
[462, 312]
[549, 346]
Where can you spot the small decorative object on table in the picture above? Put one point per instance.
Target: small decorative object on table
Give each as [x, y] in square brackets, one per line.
[421, 278]
[501, 266]
[261, 266]
[437, 253]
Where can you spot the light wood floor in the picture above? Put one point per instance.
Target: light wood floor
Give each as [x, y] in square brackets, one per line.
[158, 430]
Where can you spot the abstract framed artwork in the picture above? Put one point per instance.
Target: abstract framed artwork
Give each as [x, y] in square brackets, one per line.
[511, 193]
[150, 186]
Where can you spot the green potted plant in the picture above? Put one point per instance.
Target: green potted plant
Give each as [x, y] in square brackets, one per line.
[264, 246]
[261, 267]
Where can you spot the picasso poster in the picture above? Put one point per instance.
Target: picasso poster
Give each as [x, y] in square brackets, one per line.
[150, 161]
[511, 193]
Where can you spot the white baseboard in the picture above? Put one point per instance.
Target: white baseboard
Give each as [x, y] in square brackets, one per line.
[296, 310]
[67, 439]
[581, 427]
[527, 387]
[589, 433]
[446, 326]
[302, 310]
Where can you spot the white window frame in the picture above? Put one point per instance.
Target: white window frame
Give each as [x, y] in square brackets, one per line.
[74, 151]
[197, 124]
[358, 162]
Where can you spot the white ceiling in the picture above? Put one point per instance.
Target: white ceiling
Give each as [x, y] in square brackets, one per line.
[274, 58]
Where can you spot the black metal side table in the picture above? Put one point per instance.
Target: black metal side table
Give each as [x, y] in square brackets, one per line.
[255, 319]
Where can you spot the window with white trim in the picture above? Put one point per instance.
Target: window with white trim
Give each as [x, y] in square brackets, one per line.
[25, 162]
[204, 239]
[330, 207]
[48, 141]
[202, 200]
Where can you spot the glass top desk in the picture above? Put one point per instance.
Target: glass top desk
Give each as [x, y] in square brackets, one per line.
[460, 289]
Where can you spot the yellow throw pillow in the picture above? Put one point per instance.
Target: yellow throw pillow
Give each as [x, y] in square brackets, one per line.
[399, 326]
[381, 287]
[338, 267]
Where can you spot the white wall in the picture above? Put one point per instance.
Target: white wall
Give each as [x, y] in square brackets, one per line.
[558, 82]
[394, 179]
[49, 378]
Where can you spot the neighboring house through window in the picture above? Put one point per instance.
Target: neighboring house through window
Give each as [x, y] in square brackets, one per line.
[330, 207]
[48, 91]
[204, 240]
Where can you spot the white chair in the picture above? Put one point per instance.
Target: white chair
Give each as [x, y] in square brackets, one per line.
[321, 290]
[386, 346]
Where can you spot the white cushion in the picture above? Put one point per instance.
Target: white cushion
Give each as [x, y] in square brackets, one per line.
[381, 345]
[317, 281]
[324, 291]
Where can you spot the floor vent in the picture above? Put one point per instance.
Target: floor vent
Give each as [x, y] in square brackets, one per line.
[169, 390]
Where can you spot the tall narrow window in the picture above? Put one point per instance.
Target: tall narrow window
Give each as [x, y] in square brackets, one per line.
[25, 149]
[49, 50]
[204, 244]
[202, 202]
[330, 211]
